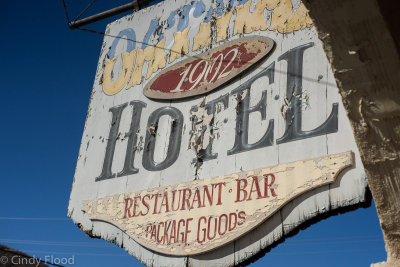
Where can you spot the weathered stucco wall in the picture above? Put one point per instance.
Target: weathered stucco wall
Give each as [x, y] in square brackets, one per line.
[361, 38]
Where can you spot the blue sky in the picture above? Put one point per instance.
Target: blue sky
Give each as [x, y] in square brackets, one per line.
[47, 73]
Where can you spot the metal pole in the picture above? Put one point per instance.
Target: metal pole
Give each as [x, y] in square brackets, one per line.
[109, 13]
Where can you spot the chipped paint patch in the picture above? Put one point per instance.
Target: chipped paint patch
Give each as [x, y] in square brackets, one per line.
[109, 86]
[222, 24]
[200, 133]
[180, 46]
[159, 60]
[202, 39]
[247, 22]
[286, 18]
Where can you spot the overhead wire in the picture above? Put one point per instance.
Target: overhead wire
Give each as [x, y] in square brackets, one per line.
[194, 56]
[338, 238]
[334, 242]
[33, 219]
[84, 11]
[323, 251]
[66, 11]
[178, 52]
[328, 241]
[270, 253]
[51, 243]
[77, 253]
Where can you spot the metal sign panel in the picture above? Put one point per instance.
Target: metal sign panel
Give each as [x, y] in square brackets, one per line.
[203, 160]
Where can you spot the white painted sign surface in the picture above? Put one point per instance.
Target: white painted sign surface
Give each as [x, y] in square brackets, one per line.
[283, 109]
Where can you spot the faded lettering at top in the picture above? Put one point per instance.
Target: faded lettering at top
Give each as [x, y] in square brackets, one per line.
[285, 18]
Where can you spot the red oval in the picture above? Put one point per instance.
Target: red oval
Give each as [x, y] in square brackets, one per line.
[206, 72]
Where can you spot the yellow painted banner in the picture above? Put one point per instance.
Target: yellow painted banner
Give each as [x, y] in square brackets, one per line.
[195, 217]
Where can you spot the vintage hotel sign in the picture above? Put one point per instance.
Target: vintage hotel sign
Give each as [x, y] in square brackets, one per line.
[214, 129]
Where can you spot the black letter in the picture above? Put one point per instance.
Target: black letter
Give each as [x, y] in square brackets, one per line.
[243, 113]
[294, 89]
[112, 139]
[174, 139]
[132, 139]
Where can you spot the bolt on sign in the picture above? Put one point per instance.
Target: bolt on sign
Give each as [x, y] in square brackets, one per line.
[214, 130]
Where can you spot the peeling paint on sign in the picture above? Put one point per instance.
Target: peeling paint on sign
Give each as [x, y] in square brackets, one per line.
[282, 111]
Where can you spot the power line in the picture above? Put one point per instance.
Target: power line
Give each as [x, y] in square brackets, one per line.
[323, 251]
[66, 11]
[138, 42]
[270, 253]
[33, 219]
[83, 12]
[194, 56]
[177, 52]
[76, 253]
[51, 243]
[300, 243]
[337, 240]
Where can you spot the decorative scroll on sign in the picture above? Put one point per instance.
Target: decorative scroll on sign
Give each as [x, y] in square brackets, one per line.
[198, 216]
[209, 70]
